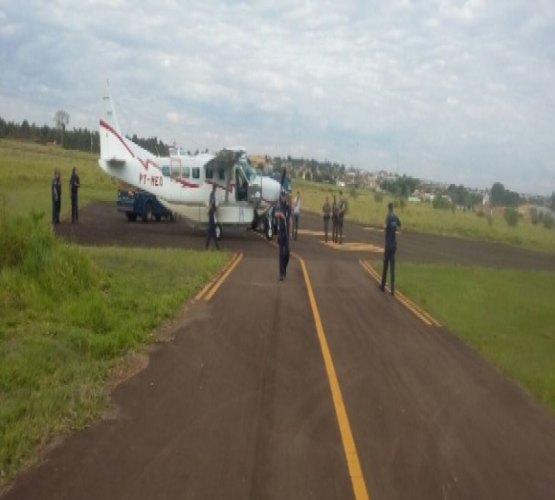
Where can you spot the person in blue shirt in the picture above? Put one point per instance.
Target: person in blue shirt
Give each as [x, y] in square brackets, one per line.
[56, 191]
[392, 222]
[282, 219]
[74, 185]
[212, 219]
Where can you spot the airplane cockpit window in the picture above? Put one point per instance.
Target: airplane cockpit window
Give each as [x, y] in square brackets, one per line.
[196, 173]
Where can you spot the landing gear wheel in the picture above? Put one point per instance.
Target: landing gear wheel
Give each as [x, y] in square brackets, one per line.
[269, 230]
[131, 217]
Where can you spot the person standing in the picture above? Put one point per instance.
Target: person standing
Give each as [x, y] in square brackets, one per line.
[282, 219]
[296, 214]
[392, 222]
[326, 210]
[340, 215]
[56, 192]
[74, 185]
[212, 219]
[334, 220]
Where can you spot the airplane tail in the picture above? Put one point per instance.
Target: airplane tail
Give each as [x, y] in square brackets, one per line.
[113, 144]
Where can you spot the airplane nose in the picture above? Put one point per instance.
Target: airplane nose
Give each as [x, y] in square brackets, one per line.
[270, 190]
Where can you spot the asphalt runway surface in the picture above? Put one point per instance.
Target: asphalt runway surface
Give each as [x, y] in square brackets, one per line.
[320, 386]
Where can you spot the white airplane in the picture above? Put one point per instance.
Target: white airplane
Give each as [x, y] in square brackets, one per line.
[183, 183]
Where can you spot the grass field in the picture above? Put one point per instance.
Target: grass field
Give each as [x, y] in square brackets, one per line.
[70, 316]
[422, 217]
[505, 314]
[26, 174]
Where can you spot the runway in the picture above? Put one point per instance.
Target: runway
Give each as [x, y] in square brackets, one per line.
[320, 386]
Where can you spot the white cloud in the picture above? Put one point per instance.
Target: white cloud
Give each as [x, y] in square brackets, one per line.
[436, 88]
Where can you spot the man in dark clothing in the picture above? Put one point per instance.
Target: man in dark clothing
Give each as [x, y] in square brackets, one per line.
[341, 207]
[334, 220]
[56, 192]
[326, 211]
[392, 222]
[212, 219]
[282, 216]
[74, 185]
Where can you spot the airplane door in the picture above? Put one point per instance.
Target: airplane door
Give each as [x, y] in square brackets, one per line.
[241, 186]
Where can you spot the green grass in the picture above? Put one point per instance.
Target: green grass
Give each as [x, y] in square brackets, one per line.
[422, 217]
[507, 315]
[68, 316]
[26, 174]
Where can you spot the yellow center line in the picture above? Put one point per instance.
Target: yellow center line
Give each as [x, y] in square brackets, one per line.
[353, 463]
[206, 287]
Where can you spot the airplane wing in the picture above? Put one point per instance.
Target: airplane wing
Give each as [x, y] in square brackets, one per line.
[229, 156]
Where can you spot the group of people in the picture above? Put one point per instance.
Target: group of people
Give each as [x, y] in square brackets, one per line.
[335, 212]
[56, 191]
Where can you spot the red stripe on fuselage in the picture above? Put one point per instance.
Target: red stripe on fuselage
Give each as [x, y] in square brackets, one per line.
[186, 184]
[144, 163]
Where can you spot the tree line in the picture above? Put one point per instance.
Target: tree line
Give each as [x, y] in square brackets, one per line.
[81, 139]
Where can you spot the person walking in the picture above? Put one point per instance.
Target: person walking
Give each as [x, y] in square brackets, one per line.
[334, 220]
[56, 192]
[392, 222]
[341, 208]
[282, 219]
[212, 207]
[326, 210]
[296, 214]
[74, 185]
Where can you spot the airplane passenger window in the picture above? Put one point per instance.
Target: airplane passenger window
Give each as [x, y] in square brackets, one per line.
[196, 173]
[221, 173]
[209, 172]
[166, 170]
[186, 172]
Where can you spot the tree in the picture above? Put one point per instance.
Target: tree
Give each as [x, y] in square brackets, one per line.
[503, 197]
[511, 216]
[497, 194]
[61, 119]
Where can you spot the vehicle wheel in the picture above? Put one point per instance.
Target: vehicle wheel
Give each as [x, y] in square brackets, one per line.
[269, 230]
[219, 232]
[131, 217]
[147, 215]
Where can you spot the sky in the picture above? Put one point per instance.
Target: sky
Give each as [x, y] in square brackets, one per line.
[455, 91]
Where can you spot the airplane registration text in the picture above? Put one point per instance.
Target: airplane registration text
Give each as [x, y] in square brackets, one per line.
[151, 180]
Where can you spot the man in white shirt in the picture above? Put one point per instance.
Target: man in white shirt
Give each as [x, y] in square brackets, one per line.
[296, 214]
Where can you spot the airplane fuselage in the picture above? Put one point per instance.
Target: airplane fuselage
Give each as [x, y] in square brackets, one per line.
[183, 182]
